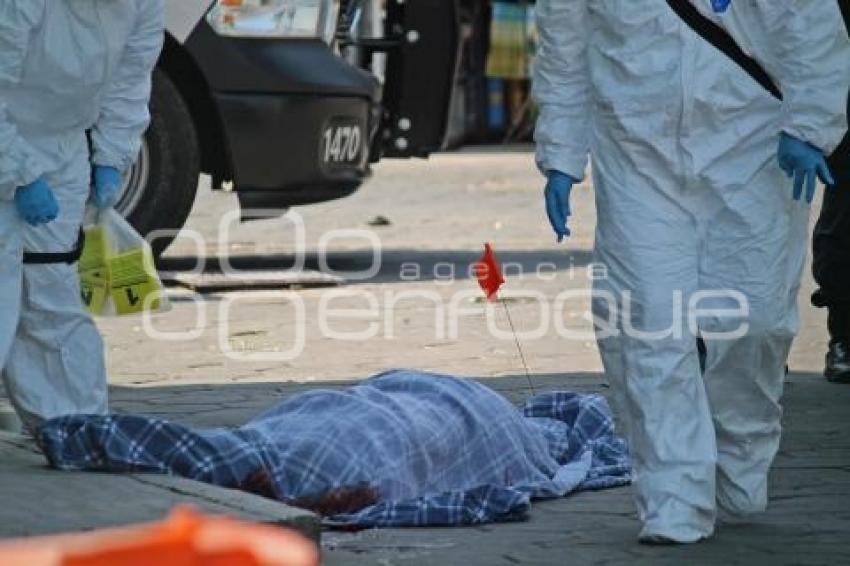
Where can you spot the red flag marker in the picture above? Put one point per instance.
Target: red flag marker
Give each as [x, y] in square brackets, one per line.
[490, 278]
[489, 273]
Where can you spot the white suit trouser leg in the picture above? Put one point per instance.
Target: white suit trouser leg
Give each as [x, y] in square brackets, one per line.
[744, 377]
[648, 244]
[51, 351]
[699, 441]
[11, 277]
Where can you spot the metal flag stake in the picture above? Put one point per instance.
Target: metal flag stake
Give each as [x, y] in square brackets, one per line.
[490, 278]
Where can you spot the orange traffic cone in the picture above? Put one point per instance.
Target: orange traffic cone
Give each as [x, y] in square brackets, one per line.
[185, 538]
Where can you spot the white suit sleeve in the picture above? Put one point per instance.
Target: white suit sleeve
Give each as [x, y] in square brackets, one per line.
[124, 114]
[19, 164]
[805, 47]
[813, 55]
[561, 87]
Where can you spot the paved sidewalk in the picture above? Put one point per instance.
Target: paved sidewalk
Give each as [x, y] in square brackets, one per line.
[808, 521]
[35, 500]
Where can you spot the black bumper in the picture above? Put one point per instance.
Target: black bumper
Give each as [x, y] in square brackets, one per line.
[275, 146]
[276, 99]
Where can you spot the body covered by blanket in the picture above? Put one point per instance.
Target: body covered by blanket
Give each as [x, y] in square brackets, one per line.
[403, 448]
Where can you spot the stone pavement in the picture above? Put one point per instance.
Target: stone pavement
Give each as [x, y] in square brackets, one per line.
[226, 367]
[808, 521]
[37, 500]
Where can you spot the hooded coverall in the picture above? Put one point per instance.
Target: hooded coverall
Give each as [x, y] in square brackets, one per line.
[66, 66]
[697, 232]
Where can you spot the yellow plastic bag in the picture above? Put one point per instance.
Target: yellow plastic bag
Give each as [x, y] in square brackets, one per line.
[117, 271]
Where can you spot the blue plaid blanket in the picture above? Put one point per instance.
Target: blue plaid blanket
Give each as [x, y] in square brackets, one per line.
[404, 448]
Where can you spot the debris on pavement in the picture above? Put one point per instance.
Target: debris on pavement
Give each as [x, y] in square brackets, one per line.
[380, 221]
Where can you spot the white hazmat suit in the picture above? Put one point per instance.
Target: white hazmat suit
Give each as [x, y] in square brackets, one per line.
[693, 211]
[66, 66]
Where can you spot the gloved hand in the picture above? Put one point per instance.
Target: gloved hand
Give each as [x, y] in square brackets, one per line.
[558, 189]
[805, 163]
[36, 202]
[107, 186]
[720, 6]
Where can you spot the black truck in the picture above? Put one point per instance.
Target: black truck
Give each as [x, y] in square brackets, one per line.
[287, 102]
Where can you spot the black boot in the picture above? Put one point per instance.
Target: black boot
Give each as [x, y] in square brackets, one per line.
[838, 362]
[838, 357]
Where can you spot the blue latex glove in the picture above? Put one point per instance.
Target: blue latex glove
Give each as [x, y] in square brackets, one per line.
[558, 189]
[805, 163]
[720, 6]
[107, 186]
[36, 202]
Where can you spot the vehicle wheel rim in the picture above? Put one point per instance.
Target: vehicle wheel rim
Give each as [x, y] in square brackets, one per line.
[135, 181]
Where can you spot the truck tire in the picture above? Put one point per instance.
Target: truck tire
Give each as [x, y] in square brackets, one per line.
[160, 188]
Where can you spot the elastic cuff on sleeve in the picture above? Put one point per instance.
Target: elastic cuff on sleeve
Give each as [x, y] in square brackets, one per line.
[24, 168]
[574, 165]
[826, 138]
[31, 171]
[107, 159]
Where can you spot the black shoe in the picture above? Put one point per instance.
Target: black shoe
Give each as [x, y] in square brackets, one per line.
[838, 362]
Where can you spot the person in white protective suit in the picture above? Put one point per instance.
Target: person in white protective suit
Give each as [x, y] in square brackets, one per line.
[697, 227]
[66, 67]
